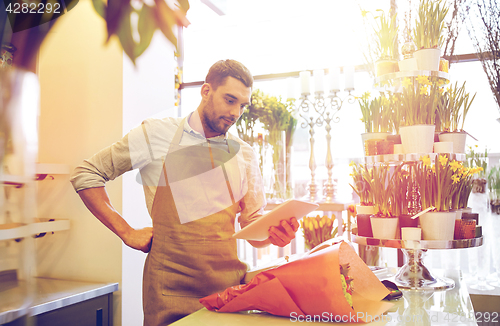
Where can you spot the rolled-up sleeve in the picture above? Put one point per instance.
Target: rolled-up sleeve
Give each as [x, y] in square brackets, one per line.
[107, 164]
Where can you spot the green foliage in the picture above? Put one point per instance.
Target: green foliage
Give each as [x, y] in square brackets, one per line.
[475, 159]
[429, 25]
[419, 101]
[453, 106]
[386, 32]
[377, 113]
[494, 183]
[362, 178]
[160, 16]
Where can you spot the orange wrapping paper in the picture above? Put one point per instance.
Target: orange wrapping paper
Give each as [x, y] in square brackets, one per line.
[309, 286]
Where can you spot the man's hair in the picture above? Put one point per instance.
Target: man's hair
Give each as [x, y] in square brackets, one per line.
[228, 68]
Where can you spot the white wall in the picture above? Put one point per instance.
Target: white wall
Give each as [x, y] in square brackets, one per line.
[148, 90]
[81, 112]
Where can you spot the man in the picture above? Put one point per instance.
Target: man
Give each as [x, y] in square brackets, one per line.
[197, 177]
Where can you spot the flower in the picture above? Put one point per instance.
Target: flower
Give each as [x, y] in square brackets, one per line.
[424, 80]
[423, 90]
[426, 160]
[407, 82]
[443, 160]
[455, 166]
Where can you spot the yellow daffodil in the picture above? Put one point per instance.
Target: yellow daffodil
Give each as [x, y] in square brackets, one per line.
[315, 223]
[407, 82]
[364, 13]
[455, 178]
[424, 80]
[443, 160]
[352, 163]
[455, 165]
[423, 90]
[426, 160]
[441, 90]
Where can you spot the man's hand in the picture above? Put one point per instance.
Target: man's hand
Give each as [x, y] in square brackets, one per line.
[140, 239]
[282, 235]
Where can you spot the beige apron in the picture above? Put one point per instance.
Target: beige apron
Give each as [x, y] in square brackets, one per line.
[191, 260]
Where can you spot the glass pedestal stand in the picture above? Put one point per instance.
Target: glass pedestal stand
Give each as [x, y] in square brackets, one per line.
[414, 275]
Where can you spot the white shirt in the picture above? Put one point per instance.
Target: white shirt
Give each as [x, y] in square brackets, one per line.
[145, 148]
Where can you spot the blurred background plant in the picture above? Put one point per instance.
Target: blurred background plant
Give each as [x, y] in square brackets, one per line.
[362, 178]
[475, 159]
[318, 229]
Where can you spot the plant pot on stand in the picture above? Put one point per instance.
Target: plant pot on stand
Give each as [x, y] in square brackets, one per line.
[363, 214]
[457, 138]
[438, 225]
[384, 227]
[417, 138]
[428, 59]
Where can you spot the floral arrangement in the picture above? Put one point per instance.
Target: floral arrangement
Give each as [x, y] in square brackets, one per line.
[386, 32]
[419, 101]
[494, 185]
[347, 282]
[377, 113]
[444, 185]
[399, 199]
[248, 120]
[476, 159]
[430, 24]
[453, 106]
[382, 187]
[362, 177]
[317, 229]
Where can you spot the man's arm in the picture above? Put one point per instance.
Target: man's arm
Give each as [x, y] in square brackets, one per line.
[98, 203]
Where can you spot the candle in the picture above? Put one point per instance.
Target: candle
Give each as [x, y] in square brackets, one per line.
[304, 81]
[334, 79]
[349, 78]
[318, 80]
[291, 88]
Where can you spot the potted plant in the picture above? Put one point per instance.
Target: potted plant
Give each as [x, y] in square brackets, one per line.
[435, 183]
[384, 223]
[452, 109]
[376, 116]
[245, 126]
[419, 102]
[475, 159]
[494, 188]
[428, 33]
[401, 183]
[278, 120]
[386, 33]
[362, 177]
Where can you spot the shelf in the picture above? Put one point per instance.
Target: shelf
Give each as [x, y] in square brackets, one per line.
[13, 231]
[46, 168]
[42, 170]
[411, 157]
[418, 244]
[390, 78]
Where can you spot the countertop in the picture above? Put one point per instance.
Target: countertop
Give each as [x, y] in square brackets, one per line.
[449, 307]
[40, 295]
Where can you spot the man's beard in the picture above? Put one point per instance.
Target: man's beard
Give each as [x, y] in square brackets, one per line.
[212, 122]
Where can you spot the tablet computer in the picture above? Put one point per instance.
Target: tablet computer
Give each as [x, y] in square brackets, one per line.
[259, 229]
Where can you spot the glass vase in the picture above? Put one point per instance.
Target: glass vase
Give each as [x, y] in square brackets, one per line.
[276, 191]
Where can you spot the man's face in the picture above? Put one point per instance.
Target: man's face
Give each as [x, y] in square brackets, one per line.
[223, 106]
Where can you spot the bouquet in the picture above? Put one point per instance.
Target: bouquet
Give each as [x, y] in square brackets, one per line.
[320, 283]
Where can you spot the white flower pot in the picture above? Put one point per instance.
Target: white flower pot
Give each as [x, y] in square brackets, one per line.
[443, 147]
[458, 139]
[417, 138]
[408, 64]
[428, 59]
[438, 225]
[367, 210]
[384, 228]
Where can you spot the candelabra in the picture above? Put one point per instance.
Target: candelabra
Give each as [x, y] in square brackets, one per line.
[318, 112]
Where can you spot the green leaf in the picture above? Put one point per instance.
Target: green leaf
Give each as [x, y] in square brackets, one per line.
[165, 19]
[117, 14]
[100, 7]
[146, 28]
[124, 33]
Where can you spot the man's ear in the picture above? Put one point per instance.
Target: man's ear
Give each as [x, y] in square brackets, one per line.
[205, 90]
